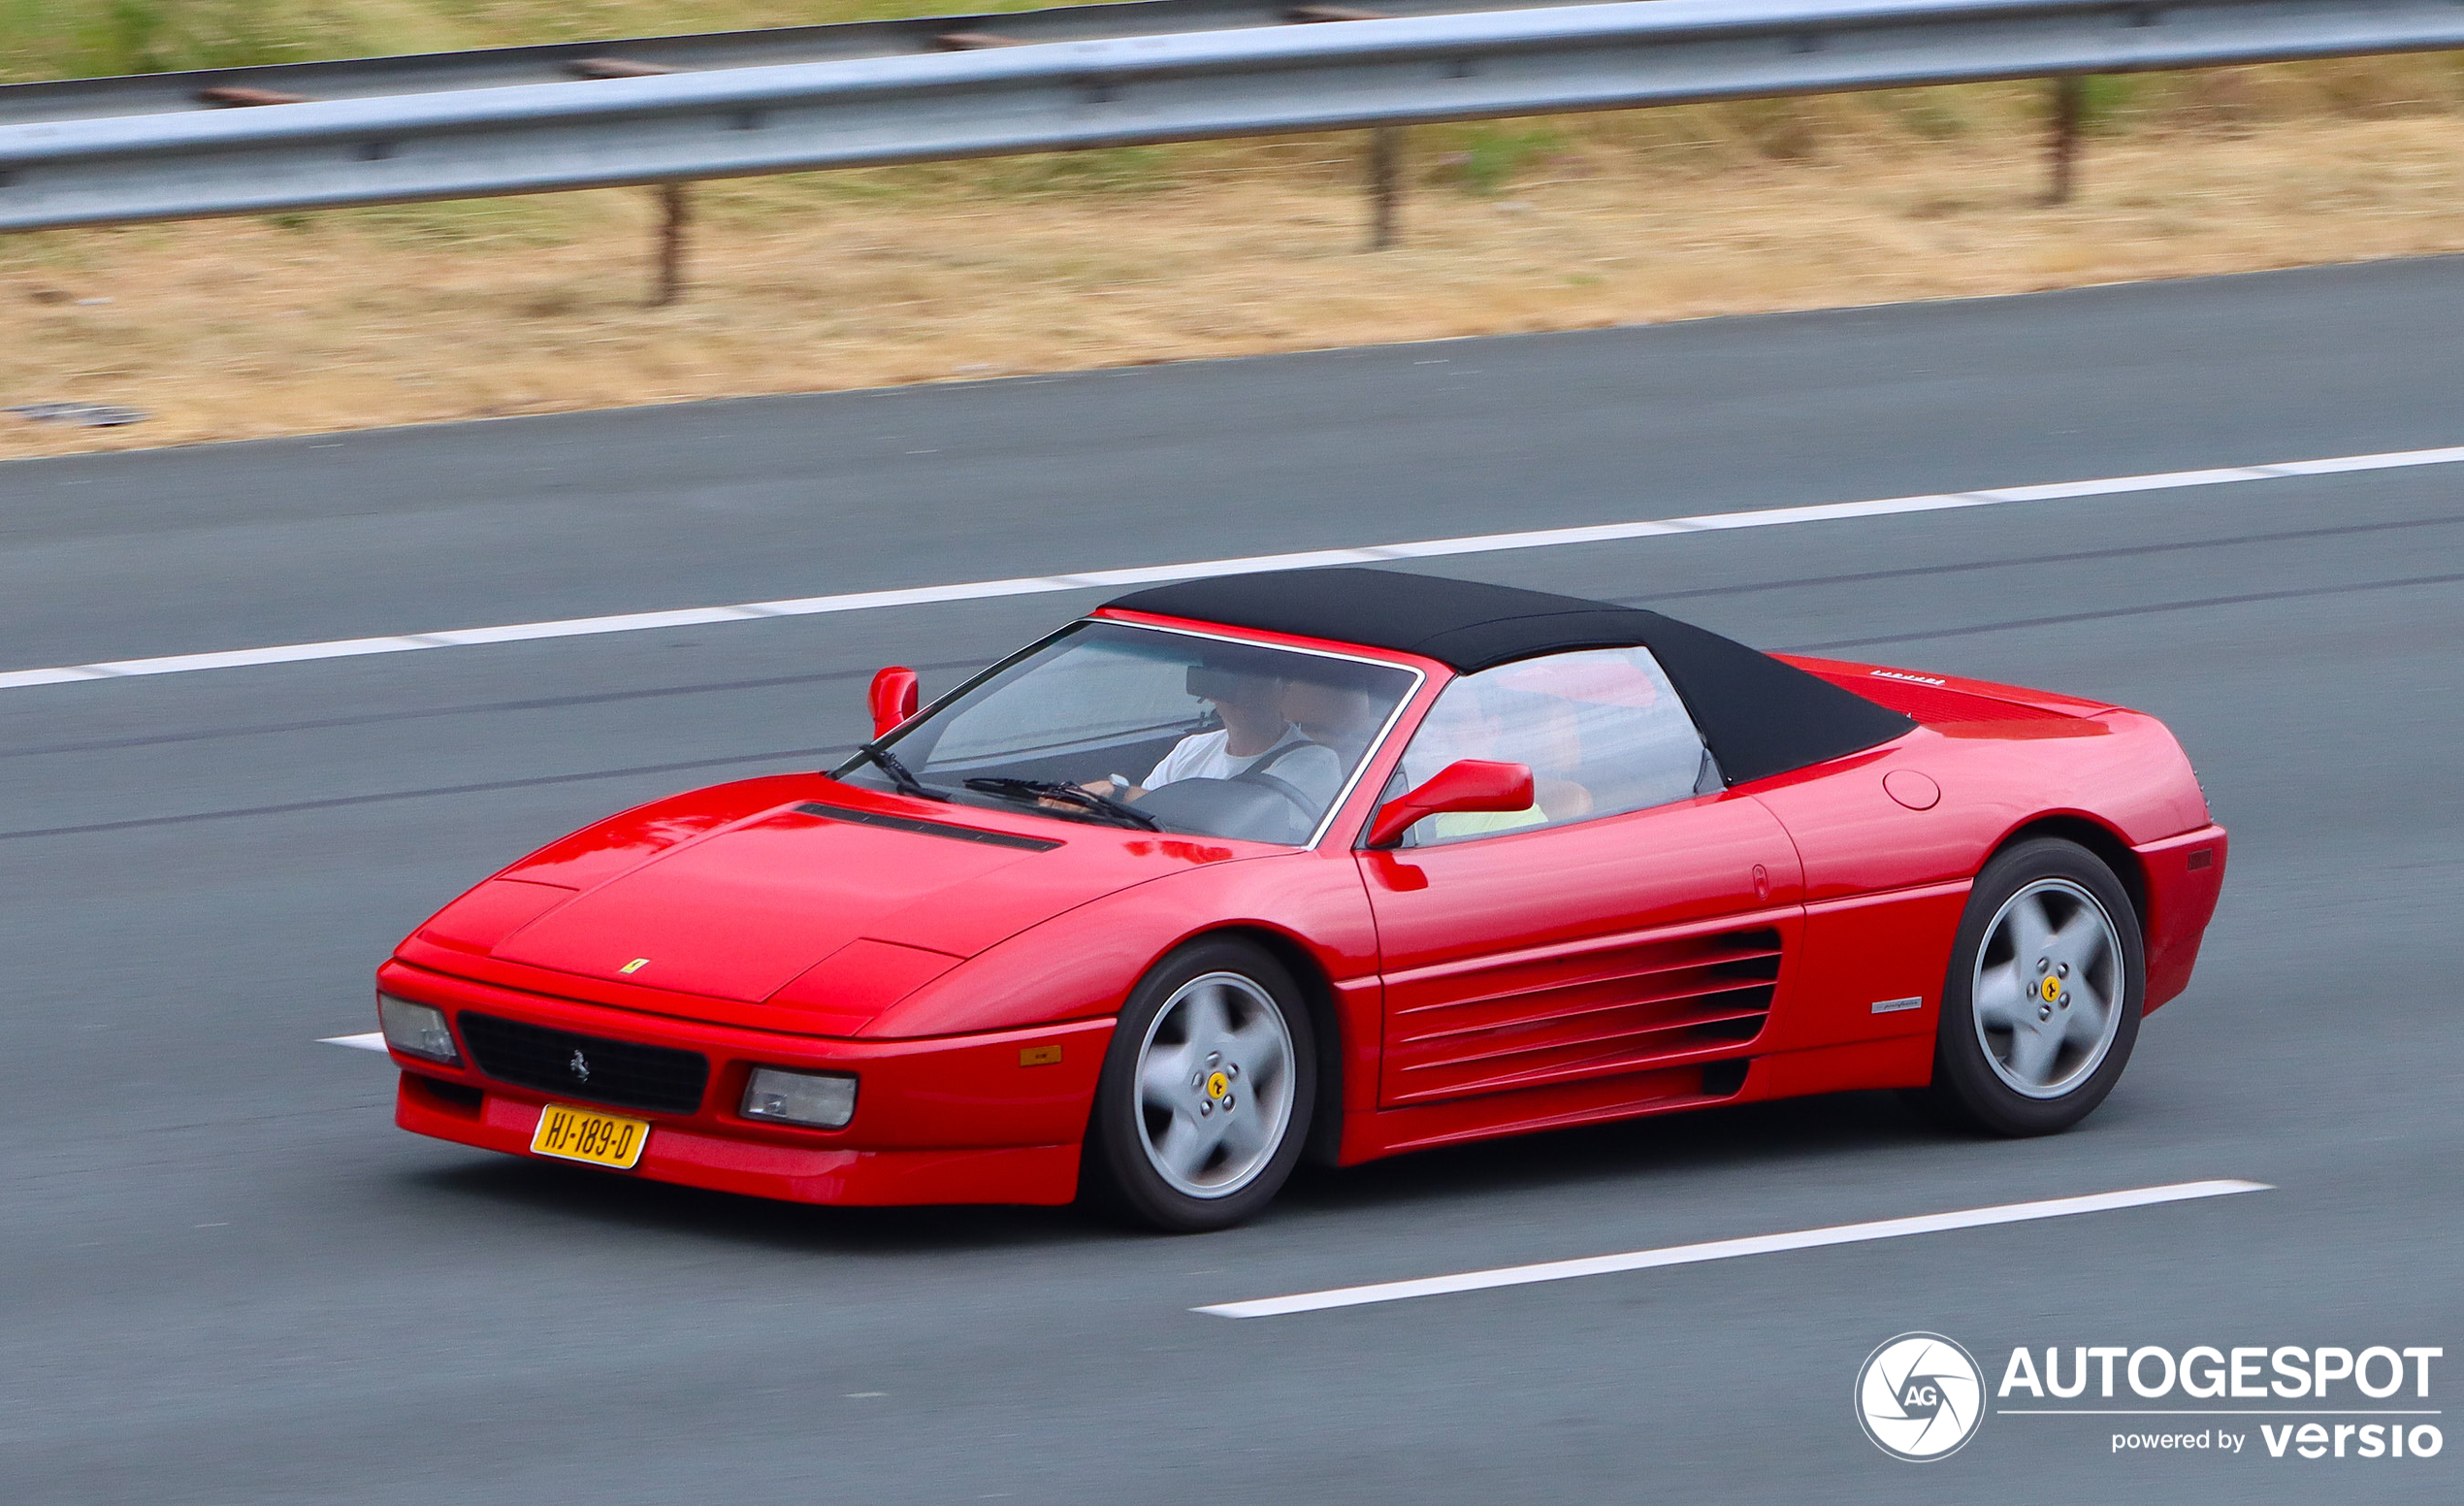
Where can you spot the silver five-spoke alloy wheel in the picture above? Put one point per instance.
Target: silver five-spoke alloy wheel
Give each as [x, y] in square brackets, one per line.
[1214, 1085]
[2048, 988]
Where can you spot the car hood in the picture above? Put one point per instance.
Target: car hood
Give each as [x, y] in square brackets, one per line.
[890, 899]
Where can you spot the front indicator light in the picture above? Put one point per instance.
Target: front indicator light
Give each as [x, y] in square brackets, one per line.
[824, 1100]
[416, 1030]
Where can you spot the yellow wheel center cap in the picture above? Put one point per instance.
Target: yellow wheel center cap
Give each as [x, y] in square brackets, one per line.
[2048, 990]
[1218, 1085]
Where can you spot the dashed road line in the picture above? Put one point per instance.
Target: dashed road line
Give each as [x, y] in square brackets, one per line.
[1726, 1249]
[432, 792]
[1427, 548]
[373, 1040]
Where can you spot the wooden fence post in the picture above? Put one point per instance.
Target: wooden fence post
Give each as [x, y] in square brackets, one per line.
[2069, 101]
[1385, 184]
[675, 207]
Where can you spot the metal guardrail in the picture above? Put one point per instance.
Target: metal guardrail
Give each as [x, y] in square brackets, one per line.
[85, 99]
[993, 100]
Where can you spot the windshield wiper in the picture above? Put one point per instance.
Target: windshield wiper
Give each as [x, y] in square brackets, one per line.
[1069, 795]
[899, 774]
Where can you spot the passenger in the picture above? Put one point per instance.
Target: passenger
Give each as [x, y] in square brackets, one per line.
[1477, 719]
[1256, 737]
[1342, 717]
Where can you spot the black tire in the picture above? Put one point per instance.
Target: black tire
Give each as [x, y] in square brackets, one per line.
[1120, 1170]
[1973, 1078]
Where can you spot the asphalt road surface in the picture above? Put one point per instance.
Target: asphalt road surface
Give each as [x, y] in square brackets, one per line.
[225, 1277]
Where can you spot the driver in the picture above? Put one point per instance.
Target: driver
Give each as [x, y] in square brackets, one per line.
[1255, 735]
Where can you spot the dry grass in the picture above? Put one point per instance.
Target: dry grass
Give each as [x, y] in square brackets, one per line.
[45, 39]
[354, 318]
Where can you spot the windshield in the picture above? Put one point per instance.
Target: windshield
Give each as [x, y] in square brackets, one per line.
[1140, 726]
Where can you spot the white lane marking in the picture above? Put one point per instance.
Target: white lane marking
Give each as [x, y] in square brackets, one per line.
[1152, 575]
[373, 1040]
[1725, 1249]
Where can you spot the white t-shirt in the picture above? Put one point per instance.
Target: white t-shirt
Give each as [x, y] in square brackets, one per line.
[1313, 768]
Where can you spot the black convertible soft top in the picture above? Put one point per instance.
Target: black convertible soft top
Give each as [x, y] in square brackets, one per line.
[1760, 716]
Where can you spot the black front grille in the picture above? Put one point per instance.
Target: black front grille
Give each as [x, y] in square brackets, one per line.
[587, 1066]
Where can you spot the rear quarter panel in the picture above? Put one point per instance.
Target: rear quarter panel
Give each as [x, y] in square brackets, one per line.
[1885, 884]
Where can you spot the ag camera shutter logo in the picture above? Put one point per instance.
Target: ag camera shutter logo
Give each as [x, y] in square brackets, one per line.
[1920, 1398]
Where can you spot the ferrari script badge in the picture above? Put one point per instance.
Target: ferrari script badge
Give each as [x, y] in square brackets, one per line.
[579, 1066]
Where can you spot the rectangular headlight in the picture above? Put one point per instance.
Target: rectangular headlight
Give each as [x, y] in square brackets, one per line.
[826, 1100]
[416, 1030]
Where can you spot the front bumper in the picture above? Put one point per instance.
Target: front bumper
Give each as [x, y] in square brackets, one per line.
[988, 1117]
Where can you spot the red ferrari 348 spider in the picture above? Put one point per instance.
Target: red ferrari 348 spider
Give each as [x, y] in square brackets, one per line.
[1335, 863]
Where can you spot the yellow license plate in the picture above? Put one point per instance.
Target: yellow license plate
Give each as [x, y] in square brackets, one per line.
[571, 1133]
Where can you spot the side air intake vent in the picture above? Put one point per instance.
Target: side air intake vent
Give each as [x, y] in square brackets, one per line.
[1642, 1007]
[1724, 1079]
